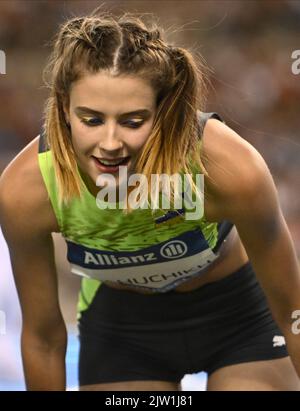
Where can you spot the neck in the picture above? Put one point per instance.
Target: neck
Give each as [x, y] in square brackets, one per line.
[93, 188]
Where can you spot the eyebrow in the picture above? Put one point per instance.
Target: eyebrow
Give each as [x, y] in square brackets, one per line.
[87, 110]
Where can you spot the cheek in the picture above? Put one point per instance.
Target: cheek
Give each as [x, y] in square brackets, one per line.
[138, 140]
[82, 143]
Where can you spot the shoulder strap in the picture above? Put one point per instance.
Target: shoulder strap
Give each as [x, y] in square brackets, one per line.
[48, 174]
[43, 146]
[203, 117]
[225, 226]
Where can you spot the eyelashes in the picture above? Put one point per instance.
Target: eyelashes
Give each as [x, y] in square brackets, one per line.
[93, 122]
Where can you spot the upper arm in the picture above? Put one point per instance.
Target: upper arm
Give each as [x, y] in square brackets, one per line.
[248, 198]
[27, 231]
[239, 178]
[256, 212]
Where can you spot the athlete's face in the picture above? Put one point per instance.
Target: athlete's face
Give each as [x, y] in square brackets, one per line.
[111, 119]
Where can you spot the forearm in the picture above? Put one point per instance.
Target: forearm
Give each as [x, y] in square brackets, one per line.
[293, 346]
[278, 271]
[285, 301]
[44, 364]
[283, 304]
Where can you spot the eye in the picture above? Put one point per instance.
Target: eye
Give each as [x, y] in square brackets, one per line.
[91, 121]
[94, 121]
[134, 124]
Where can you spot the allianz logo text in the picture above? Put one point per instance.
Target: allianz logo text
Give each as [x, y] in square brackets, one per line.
[172, 249]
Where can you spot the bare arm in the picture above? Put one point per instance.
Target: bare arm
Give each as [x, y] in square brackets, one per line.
[44, 336]
[250, 201]
[26, 227]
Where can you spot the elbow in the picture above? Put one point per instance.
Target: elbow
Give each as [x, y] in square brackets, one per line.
[45, 338]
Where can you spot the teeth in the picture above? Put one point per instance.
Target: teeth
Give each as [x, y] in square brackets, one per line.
[112, 163]
[108, 163]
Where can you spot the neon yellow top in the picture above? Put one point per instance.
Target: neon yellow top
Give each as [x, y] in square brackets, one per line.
[141, 249]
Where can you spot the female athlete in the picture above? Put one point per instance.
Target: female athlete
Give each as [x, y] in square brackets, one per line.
[162, 295]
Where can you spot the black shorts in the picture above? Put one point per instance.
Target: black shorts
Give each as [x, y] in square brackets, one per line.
[126, 336]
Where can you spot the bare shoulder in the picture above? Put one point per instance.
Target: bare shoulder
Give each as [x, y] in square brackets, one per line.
[235, 168]
[24, 202]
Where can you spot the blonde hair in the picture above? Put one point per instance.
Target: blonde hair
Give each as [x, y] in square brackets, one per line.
[125, 45]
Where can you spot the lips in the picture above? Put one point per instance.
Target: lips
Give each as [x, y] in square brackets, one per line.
[110, 165]
[113, 162]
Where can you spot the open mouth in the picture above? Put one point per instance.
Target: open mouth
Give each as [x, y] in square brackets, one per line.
[111, 165]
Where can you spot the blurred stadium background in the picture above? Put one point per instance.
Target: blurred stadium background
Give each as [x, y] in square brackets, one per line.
[247, 45]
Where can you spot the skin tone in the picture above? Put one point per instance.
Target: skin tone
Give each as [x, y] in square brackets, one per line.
[110, 118]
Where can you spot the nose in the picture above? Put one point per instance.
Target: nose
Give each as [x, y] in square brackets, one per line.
[110, 143]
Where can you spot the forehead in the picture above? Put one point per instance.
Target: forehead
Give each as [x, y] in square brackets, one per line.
[103, 91]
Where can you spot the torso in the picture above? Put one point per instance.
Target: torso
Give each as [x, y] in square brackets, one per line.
[232, 257]
[232, 252]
